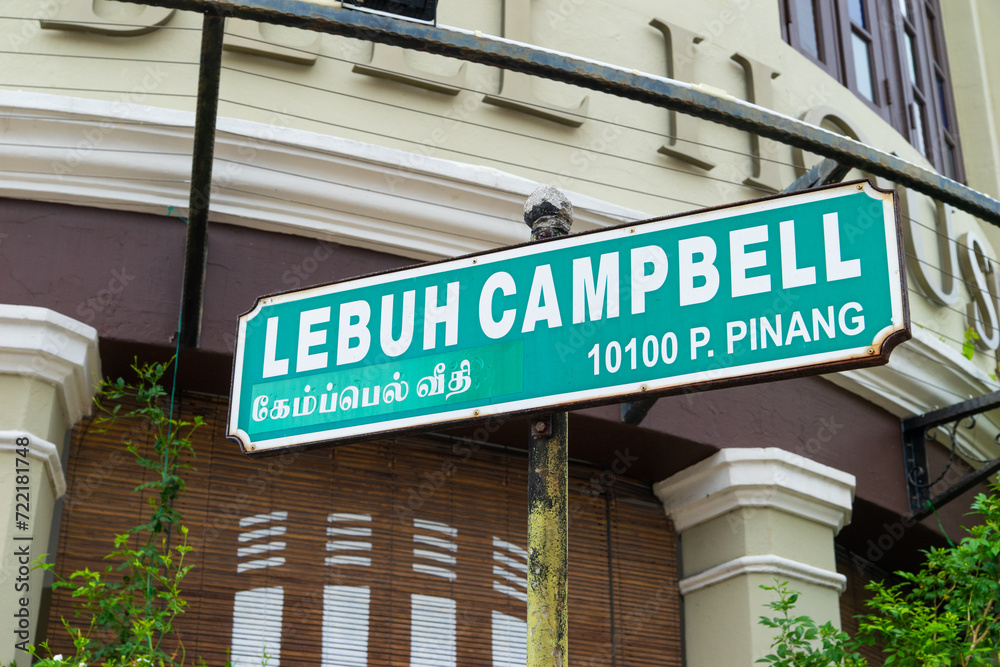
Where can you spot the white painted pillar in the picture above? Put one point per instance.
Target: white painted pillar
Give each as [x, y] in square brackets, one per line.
[49, 365]
[744, 517]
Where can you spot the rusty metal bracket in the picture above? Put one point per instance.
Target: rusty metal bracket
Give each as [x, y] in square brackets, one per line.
[915, 431]
[615, 80]
[634, 412]
[827, 172]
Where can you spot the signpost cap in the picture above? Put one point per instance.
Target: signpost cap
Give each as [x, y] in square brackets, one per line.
[548, 212]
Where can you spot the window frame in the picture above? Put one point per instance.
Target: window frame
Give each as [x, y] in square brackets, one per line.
[914, 91]
[945, 126]
[872, 36]
[895, 97]
[826, 38]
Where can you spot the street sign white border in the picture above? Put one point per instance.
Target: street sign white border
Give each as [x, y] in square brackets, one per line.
[872, 352]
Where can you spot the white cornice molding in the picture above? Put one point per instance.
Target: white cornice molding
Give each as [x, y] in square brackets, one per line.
[925, 374]
[39, 449]
[42, 344]
[732, 479]
[132, 157]
[775, 566]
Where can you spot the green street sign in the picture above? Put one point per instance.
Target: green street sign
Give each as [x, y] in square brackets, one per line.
[805, 283]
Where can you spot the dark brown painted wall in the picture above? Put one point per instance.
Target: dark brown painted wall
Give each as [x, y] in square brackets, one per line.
[120, 272]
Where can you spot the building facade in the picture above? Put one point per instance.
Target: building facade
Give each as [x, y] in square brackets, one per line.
[336, 158]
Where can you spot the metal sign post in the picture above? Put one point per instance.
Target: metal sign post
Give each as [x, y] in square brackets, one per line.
[196, 242]
[549, 214]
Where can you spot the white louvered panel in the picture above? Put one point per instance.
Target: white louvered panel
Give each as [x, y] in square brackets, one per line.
[345, 626]
[349, 551]
[509, 640]
[432, 631]
[257, 627]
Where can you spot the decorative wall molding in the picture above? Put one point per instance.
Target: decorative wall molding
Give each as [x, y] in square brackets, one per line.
[132, 157]
[43, 451]
[773, 478]
[41, 343]
[771, 565]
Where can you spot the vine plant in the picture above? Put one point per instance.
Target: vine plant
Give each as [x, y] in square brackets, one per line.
[129, 608]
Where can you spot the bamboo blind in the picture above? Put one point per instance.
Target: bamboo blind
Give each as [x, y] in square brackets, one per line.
[852, 601]
[419, 531]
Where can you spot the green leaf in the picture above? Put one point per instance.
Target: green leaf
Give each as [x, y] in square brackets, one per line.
[969, 344]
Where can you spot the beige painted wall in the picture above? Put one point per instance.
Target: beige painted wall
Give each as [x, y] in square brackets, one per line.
[613, 155]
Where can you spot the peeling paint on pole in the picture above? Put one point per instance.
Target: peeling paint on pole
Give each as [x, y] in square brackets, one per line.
[548, 543]
[549, 214]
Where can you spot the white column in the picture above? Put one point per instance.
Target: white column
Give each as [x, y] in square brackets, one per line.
[49, 366]
[744, 517]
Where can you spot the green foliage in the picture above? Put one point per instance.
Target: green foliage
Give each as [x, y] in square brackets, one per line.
[969, 344]
[945, 614]
[799, 642]
[130, 605]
